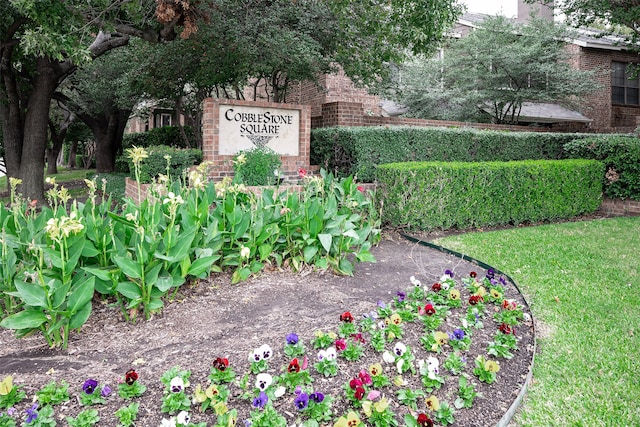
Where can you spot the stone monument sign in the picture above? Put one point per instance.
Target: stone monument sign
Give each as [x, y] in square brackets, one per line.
[230, 126]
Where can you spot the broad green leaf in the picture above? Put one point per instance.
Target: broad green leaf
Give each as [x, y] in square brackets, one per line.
[155, 304]
[346, 267]
[89, 250]
[80, 317]
[164, 283]
[325, 240]
[364, 255]
[309, 253]
[100, 273]
[32, 294]
[27, 319]
[265, 250]
[202, 265]
[81, 294]
[130, 290]
[129, 267]
[151, 273]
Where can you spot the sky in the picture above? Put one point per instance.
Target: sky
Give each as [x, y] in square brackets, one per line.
[492, 7]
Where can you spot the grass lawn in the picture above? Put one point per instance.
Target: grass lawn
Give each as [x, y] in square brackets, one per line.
[582, 281]
[114, 182]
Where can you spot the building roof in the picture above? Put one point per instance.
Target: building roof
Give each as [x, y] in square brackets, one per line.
[584, 37]
[539, 112]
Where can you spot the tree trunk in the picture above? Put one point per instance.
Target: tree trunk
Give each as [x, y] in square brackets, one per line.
[108, 132]
[73, 149]
[35, 131]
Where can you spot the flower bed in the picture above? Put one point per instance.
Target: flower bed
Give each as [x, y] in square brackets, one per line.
[399, 360]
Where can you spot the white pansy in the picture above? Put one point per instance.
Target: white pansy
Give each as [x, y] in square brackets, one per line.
[266, 351]
[399, 365]
[183, 418]
[399, 349]
[171, 422]
[176, 385]
[388, 357]
[331, 353]
[280, 391]
[263, 381]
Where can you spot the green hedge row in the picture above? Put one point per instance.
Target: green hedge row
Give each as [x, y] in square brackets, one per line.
[180, 159]
[358, 150]
[621, 157]
[438, 195]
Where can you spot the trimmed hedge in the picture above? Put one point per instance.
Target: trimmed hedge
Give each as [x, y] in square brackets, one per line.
[180, 160]
[358, 150]
[438, 195]
[621, 157]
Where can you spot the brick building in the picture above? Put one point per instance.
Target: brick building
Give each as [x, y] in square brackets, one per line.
[613, 108]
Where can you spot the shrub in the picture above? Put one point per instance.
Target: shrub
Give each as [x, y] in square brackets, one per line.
[166, 135]
[621, 157]
[258, 166]
[438, 195]
[358, 150]
[169, 161]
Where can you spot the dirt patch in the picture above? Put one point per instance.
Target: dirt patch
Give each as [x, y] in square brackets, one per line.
[211, 318]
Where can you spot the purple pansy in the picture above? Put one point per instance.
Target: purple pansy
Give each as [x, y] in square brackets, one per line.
[32, 414]
[301, 401]
[261, 400]
[292, 339]
[89, 386]
[316, 397]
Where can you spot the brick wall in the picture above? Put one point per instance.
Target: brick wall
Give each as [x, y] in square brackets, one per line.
[222, 166]
[619, 207]
[597, 106]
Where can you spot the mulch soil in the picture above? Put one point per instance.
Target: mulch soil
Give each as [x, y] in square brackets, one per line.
[211, 318]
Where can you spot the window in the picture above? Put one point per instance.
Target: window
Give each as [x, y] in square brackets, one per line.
[624, 89]
[162, 119]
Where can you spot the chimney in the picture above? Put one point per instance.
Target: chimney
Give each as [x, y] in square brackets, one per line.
[544, 9]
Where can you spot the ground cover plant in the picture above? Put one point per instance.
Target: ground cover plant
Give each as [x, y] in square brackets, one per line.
[583, 284]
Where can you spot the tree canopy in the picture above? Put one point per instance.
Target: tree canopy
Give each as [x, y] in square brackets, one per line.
[494, 70]
[42, 42]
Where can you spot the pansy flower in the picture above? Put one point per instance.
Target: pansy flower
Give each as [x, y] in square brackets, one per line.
[473, 274]
[183, 418]
[433, 403]
[341, 344]
[263, 381]
[424, 420]
[221, 363]
[292, 339]
[301, 401]
[436, 287]
[399, 349]
[415, 282]
[346, 317]
[261, 400]
[401, 296]
[105, 391]
[32, 413]
[130, 377]
[316, 396]
[364, 376]
[351, 420]
[394, 319]
[454, 294]
[441, 338]
[491, 366]
[358, 337]
[294, 366]
[429, 309]
[176, 385]
[506, 329]
[89, 386]
[448, 273]
[457, 334]
[475, 299]
[375, 369]
[328, 354]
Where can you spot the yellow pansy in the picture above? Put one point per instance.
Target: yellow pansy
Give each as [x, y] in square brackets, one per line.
[395, 319]
[454, 294]
[481, 291]
[491, 366]
[351, 420]
[366, 407]
[212, 391]
[375, 369]
[198, 395]
[441, 337]
[381, 405]
[6, 385]
[220, 408]
[496, 294]
[433, 403]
